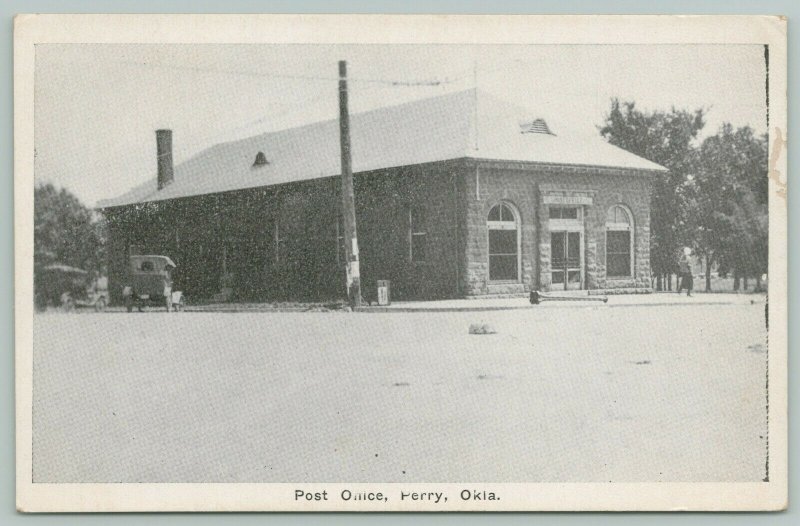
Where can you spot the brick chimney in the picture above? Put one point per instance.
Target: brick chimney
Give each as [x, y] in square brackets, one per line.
[164, 157]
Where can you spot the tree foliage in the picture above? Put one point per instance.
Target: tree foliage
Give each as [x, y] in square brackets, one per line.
[714, 196]
[666, 138]
[728, 204]
[65, 231]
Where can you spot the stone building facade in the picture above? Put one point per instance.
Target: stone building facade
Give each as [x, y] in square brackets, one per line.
[583, 198]
[437, 218]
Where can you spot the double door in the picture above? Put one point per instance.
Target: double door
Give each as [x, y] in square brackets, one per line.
[566, 260]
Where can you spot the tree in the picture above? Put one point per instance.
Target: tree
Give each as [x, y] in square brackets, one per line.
[669, 139]
[65, 231]
[728, 206]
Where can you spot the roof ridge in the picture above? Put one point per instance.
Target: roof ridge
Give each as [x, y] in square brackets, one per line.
[221, 144]
[352, 114]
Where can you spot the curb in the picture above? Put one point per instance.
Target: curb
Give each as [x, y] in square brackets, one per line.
[572, 304]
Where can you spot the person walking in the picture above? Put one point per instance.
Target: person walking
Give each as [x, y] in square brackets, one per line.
[685, 270]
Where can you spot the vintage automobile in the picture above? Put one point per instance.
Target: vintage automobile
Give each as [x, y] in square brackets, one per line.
[70, 287]
[151, 284]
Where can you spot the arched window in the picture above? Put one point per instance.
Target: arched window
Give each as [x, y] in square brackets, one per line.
[503, 225]
[619, 242]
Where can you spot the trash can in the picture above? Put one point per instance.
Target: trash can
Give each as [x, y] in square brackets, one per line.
[384, 292]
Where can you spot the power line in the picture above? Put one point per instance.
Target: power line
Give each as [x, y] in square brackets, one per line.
[270, 116]
[389, 82]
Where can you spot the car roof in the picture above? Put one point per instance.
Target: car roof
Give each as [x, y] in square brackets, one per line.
[65, 268]
[166, 259]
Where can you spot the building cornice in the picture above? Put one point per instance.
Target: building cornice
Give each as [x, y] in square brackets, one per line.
[577, 169]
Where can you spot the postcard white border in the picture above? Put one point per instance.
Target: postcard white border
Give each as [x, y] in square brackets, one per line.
[388, 29]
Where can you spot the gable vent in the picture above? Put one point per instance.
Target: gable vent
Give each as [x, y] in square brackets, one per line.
[261, 160]
[536, 126]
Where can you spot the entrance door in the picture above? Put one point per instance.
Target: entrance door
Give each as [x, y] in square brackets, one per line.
[567, 267]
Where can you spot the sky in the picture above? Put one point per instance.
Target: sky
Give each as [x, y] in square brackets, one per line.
[97, 106]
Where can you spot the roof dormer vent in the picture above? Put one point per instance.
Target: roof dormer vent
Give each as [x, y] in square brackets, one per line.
[535, 126]
[261, 160]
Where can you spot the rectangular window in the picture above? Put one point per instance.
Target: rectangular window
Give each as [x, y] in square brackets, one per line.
[503, 242]
[418, 235]
[563, 212]
[503, 267]
[503, 255]
[618, 253]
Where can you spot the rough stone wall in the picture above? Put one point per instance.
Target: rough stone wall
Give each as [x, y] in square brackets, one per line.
[524, 186]
[633, 192]
[484, 188]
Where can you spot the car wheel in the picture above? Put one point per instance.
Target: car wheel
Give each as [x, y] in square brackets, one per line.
[100, 304]
[67, 303]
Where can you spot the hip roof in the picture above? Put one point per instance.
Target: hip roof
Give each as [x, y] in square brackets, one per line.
[465, 124]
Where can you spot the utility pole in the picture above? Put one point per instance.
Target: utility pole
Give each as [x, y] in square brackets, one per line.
[348, 195]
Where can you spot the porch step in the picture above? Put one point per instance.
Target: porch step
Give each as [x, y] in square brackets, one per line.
[563, 293]
[568, 293]
[616, 291]
[504, 289]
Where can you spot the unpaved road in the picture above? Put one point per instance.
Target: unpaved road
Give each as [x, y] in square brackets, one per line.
[667, 393]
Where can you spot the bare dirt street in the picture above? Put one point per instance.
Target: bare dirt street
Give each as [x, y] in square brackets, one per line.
[627, 394]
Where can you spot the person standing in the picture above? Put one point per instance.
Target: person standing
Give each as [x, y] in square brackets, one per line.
[685, 270]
